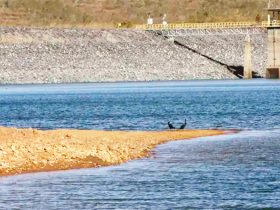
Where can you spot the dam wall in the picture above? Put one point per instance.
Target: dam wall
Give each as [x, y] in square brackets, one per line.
[273, 67]
[39, 55]
[229, 49]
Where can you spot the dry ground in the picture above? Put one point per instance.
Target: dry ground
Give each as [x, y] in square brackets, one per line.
[28, 150]
[106, 13]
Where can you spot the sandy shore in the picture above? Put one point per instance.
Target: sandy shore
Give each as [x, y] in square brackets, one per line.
[28, 150]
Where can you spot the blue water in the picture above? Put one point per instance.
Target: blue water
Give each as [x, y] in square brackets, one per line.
[143, 106]
[238, 171]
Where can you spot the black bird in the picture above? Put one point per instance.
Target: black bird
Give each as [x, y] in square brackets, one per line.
[184, 125]
[170, 126]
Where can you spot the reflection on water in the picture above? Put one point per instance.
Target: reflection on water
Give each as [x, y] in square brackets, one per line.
[240, 171]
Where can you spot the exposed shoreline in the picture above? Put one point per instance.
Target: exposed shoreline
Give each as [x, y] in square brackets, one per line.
[29, 150]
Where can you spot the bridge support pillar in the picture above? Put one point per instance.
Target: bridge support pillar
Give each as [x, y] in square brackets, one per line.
[248, 67]
[273, 68]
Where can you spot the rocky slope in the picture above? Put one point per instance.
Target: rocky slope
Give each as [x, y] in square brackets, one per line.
[36, 55]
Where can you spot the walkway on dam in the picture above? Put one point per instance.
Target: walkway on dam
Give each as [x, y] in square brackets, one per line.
[218, 25]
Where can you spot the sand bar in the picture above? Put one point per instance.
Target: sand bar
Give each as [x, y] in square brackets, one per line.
[29, 150]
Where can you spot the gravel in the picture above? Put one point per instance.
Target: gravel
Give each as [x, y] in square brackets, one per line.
[36, 55]
[229, 49]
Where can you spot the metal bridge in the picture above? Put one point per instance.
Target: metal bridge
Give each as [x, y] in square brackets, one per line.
[187, 29]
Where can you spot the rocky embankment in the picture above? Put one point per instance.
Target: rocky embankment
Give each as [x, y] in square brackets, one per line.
[229, 48]
[34, 55]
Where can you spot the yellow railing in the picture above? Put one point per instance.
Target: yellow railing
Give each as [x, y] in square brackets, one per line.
[271, 24]
[221, 25]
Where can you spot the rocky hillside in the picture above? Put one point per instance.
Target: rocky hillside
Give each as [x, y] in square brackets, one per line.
[102, 13]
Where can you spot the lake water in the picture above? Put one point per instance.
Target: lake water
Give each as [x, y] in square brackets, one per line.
[238, 171]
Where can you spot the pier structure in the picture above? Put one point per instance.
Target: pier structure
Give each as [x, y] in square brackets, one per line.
[248, 66]
[273, 32]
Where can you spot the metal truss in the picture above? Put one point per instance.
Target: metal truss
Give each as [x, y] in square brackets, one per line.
[207, 32]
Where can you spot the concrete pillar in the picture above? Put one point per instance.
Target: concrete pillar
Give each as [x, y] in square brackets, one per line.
[248, 67]
[273, 52]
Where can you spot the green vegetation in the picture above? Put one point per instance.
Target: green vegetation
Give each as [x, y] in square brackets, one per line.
[110, 12]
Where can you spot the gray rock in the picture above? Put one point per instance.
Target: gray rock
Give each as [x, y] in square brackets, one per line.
[35, 55]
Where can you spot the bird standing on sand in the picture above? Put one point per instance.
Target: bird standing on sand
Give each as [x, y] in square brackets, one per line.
[184, 125]
[170, 126]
